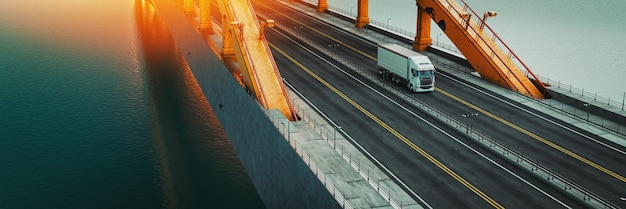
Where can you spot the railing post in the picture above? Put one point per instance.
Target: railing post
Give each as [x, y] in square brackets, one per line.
[623, 100]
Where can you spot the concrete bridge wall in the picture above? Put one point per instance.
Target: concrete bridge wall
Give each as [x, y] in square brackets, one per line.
[280, 176]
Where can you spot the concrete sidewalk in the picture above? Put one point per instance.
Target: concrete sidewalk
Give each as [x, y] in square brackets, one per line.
[351, 177]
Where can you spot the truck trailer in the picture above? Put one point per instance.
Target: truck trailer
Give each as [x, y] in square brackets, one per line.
[407, 67]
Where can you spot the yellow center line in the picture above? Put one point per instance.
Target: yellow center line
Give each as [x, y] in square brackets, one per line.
[535, 136]
[528, 133]
[393, 131]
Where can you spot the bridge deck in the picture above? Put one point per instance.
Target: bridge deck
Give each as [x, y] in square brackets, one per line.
[528, 102]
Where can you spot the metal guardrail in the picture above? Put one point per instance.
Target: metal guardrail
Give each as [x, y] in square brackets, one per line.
[329, 137]
[325, 133]
[552, 178]
[590, 95]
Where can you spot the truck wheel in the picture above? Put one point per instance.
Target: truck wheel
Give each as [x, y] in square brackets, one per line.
[411, 87]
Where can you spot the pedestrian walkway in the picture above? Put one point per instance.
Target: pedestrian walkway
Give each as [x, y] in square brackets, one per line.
[348, 172]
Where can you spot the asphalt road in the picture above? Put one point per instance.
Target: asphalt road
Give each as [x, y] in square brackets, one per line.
[445, 172]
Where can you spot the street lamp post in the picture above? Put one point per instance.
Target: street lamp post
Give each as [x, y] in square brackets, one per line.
[588, 107]
[469, 117]
[485, 16]
[439, 34]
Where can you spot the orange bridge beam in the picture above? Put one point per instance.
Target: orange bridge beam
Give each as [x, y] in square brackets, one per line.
[205, 16]
[242, 30]
[362, 17]
[422, 36]
[190, 9]
[322, 5]
[478, 47]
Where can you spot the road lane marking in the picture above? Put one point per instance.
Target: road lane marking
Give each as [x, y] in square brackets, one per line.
[526, 132]
[393, 131]
[429, 123]
[534, 136]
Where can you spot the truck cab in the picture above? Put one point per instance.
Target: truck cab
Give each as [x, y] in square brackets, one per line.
[422, 75]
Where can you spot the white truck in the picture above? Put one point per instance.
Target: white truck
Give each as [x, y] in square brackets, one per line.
[406, 66]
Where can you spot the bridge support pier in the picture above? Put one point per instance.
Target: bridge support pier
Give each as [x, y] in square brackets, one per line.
[322, 5]
[205, 17]
[362, 18]
[227, 39]
[482, 47]
[422, 36]
[190, 9]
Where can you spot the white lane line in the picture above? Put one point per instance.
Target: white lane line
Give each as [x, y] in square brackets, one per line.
[537, 115]
[431, 124]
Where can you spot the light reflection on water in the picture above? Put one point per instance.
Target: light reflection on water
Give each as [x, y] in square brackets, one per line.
[98, 113]
[199, 166]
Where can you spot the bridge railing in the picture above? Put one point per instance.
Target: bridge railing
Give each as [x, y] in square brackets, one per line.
[330, 136]
[583, 93]
[512, 156]
[283, 127]
[579, 111]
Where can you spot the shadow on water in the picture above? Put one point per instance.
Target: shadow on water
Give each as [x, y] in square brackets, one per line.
[197, 164]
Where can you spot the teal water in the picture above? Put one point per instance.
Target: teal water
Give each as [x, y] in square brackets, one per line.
[99, 110]
[575, 42]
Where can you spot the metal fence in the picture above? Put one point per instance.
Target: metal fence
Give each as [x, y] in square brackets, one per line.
[620, 103]
[330, 136]
[283, 127]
